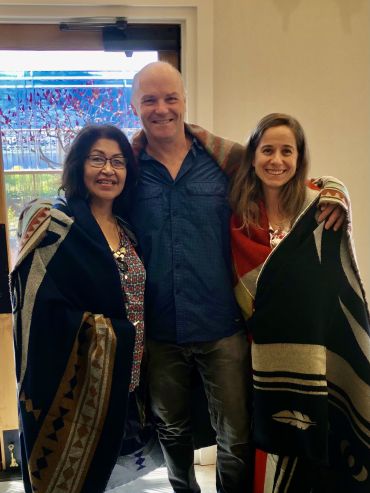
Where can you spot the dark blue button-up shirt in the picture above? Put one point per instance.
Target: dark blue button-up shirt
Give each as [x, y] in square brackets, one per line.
[183, 231]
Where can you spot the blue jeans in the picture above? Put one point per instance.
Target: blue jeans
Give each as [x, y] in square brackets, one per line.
[224, 369]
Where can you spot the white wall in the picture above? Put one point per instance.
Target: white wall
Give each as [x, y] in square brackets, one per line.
[310, 59]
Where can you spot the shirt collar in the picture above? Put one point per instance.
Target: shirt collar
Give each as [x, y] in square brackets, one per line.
[194, 149]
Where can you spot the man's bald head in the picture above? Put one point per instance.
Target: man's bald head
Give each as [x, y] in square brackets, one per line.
[155, 71]
[158, 99]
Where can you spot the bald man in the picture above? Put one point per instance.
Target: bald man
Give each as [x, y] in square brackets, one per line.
[181, 216]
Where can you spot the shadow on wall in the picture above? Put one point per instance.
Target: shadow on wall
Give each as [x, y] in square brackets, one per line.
[286, 8]
[347, 10]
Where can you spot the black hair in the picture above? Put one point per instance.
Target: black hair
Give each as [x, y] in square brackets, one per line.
[73, 170]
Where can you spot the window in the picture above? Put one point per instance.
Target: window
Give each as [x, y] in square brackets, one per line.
[46, 97]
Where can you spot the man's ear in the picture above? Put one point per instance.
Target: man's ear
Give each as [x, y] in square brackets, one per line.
[133, 109]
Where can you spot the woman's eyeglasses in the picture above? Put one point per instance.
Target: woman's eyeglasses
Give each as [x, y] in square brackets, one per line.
[97, 161]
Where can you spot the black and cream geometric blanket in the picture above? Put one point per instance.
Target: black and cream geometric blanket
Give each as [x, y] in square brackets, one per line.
[73, 347]
[311, 355]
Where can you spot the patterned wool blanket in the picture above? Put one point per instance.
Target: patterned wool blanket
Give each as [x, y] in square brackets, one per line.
[73, 347]
[310, 354]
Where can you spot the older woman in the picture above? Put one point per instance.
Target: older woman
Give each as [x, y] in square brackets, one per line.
[299, 287]
[78, 288]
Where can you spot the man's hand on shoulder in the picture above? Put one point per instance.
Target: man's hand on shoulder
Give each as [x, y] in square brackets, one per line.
[333, 215]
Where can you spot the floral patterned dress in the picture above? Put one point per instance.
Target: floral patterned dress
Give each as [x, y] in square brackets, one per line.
[276, 235]
[132, 275]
